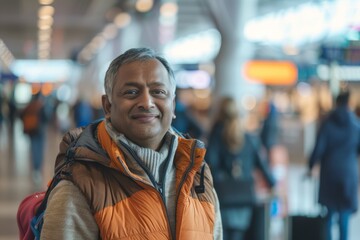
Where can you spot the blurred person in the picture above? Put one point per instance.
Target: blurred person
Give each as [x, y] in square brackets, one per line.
[12, 112]
[184, 122]
[83, 113]
[336, 149]
[1, 107]
[234, 153]
[357, 111]
[34, 118]
[269, 133]
[130, 176]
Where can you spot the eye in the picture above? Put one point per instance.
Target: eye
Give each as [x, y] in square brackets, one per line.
[131, 92]
[159, 92]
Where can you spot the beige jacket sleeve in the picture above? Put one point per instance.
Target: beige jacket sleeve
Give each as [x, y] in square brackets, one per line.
[68, 215]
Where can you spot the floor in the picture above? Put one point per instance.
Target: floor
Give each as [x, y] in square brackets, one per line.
[15, 178]
[16, 183]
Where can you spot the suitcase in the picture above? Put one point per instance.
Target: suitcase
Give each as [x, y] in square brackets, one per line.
[310, 223]
[307, 227]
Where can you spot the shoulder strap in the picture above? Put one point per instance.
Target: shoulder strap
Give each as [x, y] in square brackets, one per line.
[38, 220]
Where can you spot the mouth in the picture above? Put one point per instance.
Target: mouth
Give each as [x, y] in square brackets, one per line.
[145, 117]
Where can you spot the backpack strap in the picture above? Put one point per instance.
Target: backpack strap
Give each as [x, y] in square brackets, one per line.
[38, 220]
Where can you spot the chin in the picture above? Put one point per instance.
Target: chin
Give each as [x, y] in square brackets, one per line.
[146, 133]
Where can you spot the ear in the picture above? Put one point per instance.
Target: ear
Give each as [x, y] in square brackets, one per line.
[106, 106]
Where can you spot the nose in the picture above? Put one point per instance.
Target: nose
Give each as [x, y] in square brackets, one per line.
[146, 101]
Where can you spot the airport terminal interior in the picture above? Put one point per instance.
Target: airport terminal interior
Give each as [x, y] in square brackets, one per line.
[294, 55]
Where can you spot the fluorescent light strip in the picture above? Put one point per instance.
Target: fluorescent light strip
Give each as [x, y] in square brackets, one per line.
[45, 23]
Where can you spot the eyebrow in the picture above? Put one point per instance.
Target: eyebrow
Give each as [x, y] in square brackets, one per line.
[131, 84]
[153, 84]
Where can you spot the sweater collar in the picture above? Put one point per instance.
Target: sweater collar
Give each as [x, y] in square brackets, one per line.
[150, 159]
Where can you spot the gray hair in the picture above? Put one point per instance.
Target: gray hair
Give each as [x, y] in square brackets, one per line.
[132, 55]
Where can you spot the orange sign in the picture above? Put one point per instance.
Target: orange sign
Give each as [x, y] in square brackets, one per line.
[271, 72]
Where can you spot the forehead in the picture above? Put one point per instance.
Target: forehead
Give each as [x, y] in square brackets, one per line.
[151, 70]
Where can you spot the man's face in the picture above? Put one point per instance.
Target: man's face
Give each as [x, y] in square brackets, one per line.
[142, 105]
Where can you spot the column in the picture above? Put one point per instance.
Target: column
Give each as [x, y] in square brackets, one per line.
[230, 17]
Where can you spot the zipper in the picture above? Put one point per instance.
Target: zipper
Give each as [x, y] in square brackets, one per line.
[158, 186]
[167, 160]
[162, 183]
[136, 158]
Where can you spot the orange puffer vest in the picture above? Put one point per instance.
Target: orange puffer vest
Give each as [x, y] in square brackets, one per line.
[127, 205]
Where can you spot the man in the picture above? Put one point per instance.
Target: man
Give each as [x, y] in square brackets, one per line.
[130, 176]
[337, 148]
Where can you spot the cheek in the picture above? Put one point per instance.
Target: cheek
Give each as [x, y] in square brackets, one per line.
[116, 111]
[169, 109]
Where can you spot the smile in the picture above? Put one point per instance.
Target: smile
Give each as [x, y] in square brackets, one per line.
[144, 118]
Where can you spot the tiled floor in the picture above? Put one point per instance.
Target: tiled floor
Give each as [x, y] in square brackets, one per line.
[16, 183]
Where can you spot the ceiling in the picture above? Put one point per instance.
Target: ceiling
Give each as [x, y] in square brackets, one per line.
[76, 22]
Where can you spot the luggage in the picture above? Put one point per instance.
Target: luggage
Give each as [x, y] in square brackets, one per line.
[307, 227]
[310, 222]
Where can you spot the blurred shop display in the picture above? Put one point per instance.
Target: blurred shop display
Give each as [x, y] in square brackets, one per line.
[346, 55]
[271, 72]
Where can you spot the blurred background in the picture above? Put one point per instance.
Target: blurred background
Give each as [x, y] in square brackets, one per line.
[297, 55]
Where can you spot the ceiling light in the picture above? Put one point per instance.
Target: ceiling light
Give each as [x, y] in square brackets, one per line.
[46, 2]
[44, 27]
[46, 10]
[44, 37]
[144, 5]
[169, 9]
[46, 21]
[110, 31]
[43, 45]
[43, 55]
[122, 19]
[45, 31]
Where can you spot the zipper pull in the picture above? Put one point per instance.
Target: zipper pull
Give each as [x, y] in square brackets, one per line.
[159, 188]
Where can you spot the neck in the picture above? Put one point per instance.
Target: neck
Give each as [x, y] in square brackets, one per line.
[152, 144]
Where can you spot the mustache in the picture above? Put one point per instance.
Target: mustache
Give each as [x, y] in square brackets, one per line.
[145, 112]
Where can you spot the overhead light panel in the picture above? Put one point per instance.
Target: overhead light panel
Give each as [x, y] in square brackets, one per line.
[45, 23]
[46, 2]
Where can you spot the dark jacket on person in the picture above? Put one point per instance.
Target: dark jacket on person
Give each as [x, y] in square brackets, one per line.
[269, 133]
[186, 123]
[221, 160]
[337, 148]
